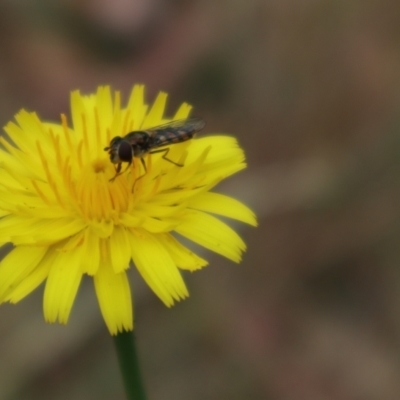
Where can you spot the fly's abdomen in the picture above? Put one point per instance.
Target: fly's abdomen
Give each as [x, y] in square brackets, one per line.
[169, 137]
[177, 131]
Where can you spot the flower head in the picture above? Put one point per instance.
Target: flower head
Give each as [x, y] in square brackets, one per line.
[66, 216]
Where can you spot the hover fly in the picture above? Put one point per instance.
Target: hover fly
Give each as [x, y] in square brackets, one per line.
[140, 143]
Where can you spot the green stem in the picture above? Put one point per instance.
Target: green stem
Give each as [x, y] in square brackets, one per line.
[129, 365]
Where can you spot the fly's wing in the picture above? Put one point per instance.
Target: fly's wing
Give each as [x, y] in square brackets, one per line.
[175, 131]
[195, 122]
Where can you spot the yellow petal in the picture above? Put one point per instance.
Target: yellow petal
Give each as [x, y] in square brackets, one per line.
[62, 285]
[223, 205]
[21, 230]
[34, 279]
[183, 112]
[155, 115]
[181, 255]
[91, 253]
[155, 225]
[189, 176]
[105, 107]
[120, 250]
[54, 230]
[137, 108]
[18, 264]
[114, 296]
[159, 210]
[78, 112]
[13, 167]
[222, 148]
[157, 267]
[176, 196]
[31, 130]
[28, 163]
[212, 234]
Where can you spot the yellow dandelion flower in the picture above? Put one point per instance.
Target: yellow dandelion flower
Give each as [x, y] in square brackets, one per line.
[66, 216]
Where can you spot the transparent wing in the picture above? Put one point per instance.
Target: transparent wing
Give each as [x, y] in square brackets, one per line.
[175, 131]
[189, 124]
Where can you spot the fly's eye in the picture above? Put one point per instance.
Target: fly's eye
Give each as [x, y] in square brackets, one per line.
[125, 151]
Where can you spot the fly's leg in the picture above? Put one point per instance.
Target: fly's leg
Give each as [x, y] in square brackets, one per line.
[164, 156]
[141, 176]
[144, 167]
[118, 170]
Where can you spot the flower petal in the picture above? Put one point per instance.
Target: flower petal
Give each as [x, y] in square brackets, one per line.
[156, 225]
[183, 112]
[137, 108]
[30, 130]
[34, 279]
[105, 108]
[157, 267]
[18, 264]
[212, 234]
[78, 112]
[224, 159]
[223, 205]
[155, 114]
[91, 253]
[181, 255]
[114, 296]
[62, 285]
[22, 230]
[120, 250]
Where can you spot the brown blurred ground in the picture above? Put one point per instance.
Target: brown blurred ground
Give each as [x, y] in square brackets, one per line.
[311, 89]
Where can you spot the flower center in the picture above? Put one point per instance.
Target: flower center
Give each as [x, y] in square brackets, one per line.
[97, 197]
[100, 165]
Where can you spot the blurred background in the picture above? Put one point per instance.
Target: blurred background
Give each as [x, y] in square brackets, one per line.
[311, 89]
